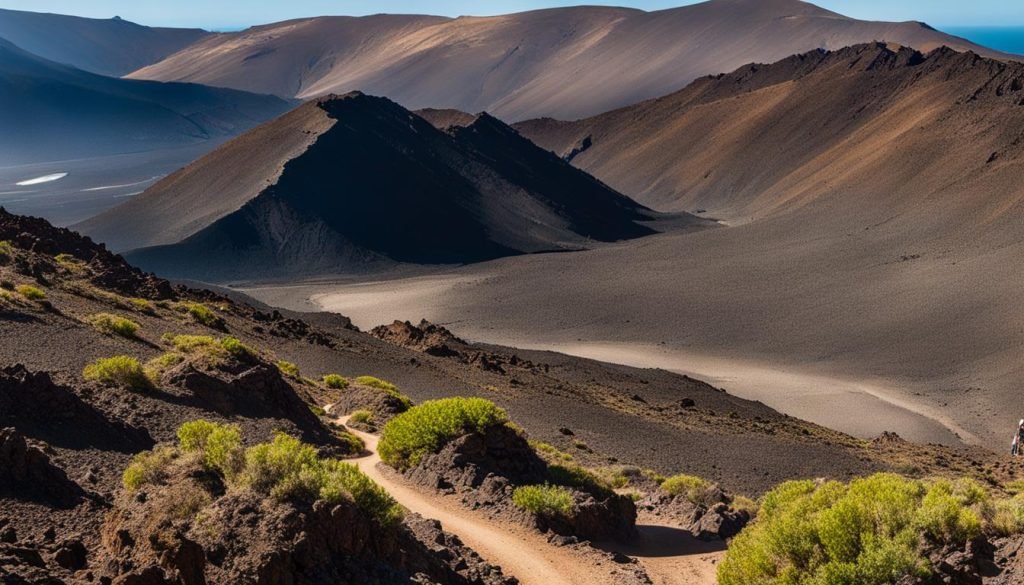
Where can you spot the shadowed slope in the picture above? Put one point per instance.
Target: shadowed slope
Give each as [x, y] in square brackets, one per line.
[108, 47]
[517, 66]
[349, 182]
[49, 111]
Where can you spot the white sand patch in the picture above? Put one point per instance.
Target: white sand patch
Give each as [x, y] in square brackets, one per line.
[44, 179]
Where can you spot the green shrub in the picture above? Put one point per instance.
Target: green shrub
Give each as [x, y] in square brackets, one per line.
[148, 467]
[545, 500]
[113, 325]
[549, 452]
[219, 445]
[866, 533]
[335, 381]
[6, 251]
[289, 469]
[289, 369]
[698, 491]
[376, 383]
[237, 349]
[142, 306]
[1007, 517]
[32, 293]
[120, 370]
[387, 387]
[202, 314]
[745, 504]
[362, 417]
[191, 343]
[430, 426]
[575, 476]
[317, 410]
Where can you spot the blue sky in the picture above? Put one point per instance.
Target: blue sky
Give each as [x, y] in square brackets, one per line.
[221, 14]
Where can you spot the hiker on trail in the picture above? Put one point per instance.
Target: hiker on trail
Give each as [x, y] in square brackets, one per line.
[1015, 446]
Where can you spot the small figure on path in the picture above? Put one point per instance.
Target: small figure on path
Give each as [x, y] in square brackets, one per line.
[1015, 446]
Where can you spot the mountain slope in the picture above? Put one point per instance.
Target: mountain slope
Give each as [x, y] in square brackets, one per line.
[111, 47]
[517, 66]
[50, 111]
[862, 126]
[344, 182]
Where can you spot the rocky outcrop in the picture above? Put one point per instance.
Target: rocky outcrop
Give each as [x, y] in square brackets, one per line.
[27, 473]
[712, 520]
[427, 337]
[184, 533]
[484, 469]
[38, 407]
[382, 405]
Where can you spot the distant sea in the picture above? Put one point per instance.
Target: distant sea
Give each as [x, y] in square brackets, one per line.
[1009, 39]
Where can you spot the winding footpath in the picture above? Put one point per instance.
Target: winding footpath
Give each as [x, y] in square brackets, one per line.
[527, 555]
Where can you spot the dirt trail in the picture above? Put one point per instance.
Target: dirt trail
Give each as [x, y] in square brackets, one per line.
[519, 552]
[669, 555]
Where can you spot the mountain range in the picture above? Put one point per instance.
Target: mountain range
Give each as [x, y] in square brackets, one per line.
[565, 62]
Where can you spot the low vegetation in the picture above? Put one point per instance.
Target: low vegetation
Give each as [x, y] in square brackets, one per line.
[872, 531]
[427, 428]
[697, 490]
[210, 348]
[122, 370]
[386, 387]
[109, 324]
[547, 500]
[284, 469]
[335, 382]
[289, 369]
[364, 417]
[32, 293]
[6, 251]
[143, 306]
[202, 314]
[572, 475]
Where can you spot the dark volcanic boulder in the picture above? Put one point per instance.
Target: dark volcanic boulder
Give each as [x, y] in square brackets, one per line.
[31, 402]
[382, 405]
[426, 338]
[27, 473]
[710, 520]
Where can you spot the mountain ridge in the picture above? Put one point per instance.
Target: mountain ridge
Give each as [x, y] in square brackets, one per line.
[515, 66]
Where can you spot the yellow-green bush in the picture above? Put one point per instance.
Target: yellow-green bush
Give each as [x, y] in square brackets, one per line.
[289, 369]
[32, 293]
[573, 475]
[202, 314]
[237, 349]
[544, 500]
[148, 467]
[868, 532]
[119, 370]
[289, 469]
[142, 306]
[430, 426]
[219, 445]
[210, 348]
[362, 417]
[384, 386]
[113, 325]
[6, 251]
[698, 491]
[335, 381]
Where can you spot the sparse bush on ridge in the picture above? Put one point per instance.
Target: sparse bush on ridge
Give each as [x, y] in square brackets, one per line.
[384, 386]
[202, 314]
[698, 491]
[377, 383]
[335, 382]
[210, 348]
[113, 325]
[430, 426]
[120, 370]
[572, 475]
[285, 469]
[362, 417]
[6, 251]
[545, 500]
[32, 293]
[869, 532]
[289, 369]
[142, 306]
[148, 467]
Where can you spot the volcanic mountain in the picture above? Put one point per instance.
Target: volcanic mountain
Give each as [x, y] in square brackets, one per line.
[112, 47]
[351, 181]
[566, 62]
[50, 111]
[874, 205]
